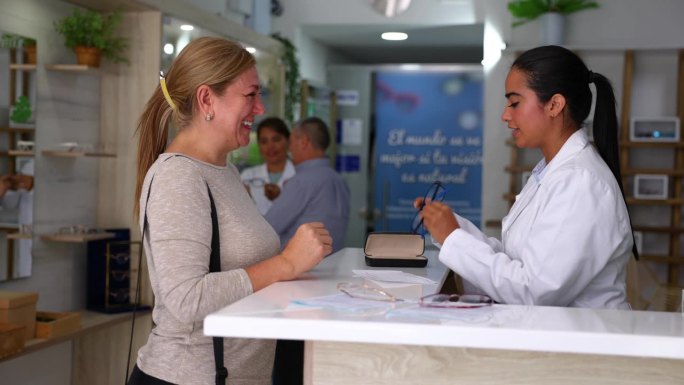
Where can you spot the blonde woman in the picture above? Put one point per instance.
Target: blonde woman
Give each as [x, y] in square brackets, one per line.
[211, 93]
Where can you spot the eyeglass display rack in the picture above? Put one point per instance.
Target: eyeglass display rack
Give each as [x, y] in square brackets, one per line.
[661, 262]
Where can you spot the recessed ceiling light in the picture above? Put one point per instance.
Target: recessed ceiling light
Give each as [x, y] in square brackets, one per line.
[250, 49]
[187, 27]
[394, 36]
[168, 48]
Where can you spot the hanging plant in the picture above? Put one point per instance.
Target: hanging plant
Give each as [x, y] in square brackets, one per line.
[528, 10]
[292, 76]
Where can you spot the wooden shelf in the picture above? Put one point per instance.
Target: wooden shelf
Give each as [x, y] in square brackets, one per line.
[77, 68]
[77, 238]
[77, 154]
[90, 321]
[659, 229]
[652, 171]
[518, 169]
[19, 153]
[495, 223]
[23, 67]
[651, 144]
[655, 202]
[18, 235]
[662, 259]
[20, 130]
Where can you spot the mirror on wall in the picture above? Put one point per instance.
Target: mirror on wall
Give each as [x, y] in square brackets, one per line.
[176, 34]
[17, 134]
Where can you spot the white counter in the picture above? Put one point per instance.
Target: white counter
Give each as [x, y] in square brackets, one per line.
[269, 314]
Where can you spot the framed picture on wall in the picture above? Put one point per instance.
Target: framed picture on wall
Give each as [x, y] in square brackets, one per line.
[657, 129]
[650, 186]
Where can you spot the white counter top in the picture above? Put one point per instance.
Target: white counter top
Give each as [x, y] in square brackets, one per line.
[270, 314]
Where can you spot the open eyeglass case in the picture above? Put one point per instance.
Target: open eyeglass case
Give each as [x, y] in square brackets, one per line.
[395, 250]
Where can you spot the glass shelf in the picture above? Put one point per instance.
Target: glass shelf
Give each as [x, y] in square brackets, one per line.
[77, 154]
[76, 238]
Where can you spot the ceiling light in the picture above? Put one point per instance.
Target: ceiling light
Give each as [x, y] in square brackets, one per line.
[250, 49]
[394, 36]
[390, 8]
[168, 48]
[187, 27]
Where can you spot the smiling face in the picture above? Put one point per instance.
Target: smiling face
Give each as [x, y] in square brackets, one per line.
[272, 145]
[524, 113]
[234, 111]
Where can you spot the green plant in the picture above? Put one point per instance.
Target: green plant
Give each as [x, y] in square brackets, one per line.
[528, 10]
[292, 76]
[9, 40]
[93, 29]
[28, 42]
[22, 110]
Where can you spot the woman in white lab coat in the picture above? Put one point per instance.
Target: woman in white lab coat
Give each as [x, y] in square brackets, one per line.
[265, 181]
[567, 239]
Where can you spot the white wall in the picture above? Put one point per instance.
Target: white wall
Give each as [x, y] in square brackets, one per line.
[617, 23]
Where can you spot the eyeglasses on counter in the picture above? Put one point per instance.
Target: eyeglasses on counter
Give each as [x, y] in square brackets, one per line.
[453, 301]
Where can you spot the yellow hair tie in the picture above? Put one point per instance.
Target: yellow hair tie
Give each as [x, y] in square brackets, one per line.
[165, 91]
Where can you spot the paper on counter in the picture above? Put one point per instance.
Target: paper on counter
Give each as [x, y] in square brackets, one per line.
[393, 276]
[342, 302]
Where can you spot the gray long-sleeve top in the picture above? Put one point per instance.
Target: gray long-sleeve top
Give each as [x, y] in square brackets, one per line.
[177, 245]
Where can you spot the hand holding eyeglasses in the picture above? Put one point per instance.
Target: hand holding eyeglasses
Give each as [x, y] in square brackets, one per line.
[433, 215]
[438, 219]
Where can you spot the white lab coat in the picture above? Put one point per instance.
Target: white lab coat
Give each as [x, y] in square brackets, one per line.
[565, 242]
[261, 172]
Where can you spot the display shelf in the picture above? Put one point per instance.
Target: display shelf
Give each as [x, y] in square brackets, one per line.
[628, 144]
[662, 259]
[19, 153]
[18, 235]
[71, 68]
[18, 130]
[22, 67]
[90, 321]
[76, 238]
[659, 229]
[659, 202]
[77, 154]
[652, 171]
[519, 169]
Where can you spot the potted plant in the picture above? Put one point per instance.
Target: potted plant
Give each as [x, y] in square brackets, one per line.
[552, 13]
[21, 112]
[91, 35]
[30, 49]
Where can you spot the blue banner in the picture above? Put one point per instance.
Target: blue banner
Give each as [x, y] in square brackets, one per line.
[428, 128]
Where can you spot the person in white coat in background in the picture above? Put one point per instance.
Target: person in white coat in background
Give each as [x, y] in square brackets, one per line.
[567, 238]
[265, 181]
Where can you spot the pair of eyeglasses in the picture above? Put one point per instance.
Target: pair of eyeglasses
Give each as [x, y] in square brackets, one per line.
[453, 301]
[435, 193]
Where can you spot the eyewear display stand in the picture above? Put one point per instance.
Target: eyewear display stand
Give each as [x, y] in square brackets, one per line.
[488, 345]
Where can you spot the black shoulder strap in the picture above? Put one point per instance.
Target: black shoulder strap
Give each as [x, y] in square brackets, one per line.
[215, 266]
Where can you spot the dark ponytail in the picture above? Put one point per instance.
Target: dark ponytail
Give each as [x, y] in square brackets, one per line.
[554, 70]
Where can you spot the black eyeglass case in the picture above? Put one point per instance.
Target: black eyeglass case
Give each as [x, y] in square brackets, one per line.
[395, 250]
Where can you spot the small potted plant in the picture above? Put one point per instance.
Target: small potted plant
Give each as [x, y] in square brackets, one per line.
[552, 13]
[30, 49]
[91, 35]
[21, 113]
